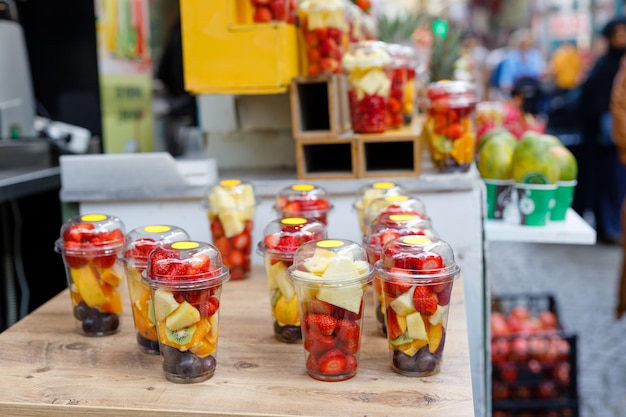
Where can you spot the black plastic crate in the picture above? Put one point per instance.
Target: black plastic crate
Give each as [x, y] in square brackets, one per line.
[535, 303]
[564, 409]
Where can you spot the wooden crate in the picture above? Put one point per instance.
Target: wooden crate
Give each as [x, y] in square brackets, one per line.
[319, 107]
[326, 158]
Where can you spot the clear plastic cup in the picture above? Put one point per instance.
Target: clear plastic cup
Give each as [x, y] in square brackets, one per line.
[371, 192]
[282, 238]
[394, 204]
[401, 104]
[139, 243]
[417, 274]
[323, 28]
[185, 279]
[90, 245]
[367, 65]
[303, 200]
[385, 228]
[450, 127]
[331, 278]
[231, 209]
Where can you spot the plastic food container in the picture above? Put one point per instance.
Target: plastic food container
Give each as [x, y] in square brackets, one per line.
[231, 208]
[402, 95]
[385, 228]
[90, 245]
[368, 65]
[139, 243]
[331, 278]
[449, 127]
[417, 274]
[371, 192]
[354, 18]
[281, 240]
[185, 279]
[394, 204]
[303, 200]
[323, 36]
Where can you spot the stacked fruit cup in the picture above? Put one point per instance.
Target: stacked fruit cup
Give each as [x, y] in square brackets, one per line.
[282, 237]
[331, 278]
[90, 245]
[185, 279]
[394, 204]
[139, 243]
[402, 94]
[303, 200]
[385, 228]
[371, 192]
[323, 34]
[449, 127]
[417, 274]
[274, 11]
[368, 65]
[231, 208]
[354, 17]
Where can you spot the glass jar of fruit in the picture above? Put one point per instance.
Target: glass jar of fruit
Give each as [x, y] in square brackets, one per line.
[282, 238]
[394, 204]
[186, 280]
[402, 94]
[417, 274]
[385, 228]
[303, 200]
[91, 245]
[139, 243]
[323, 36]
[231, 209]
[265, 11]
[367, 66]
[449, 126]
[371, 192]
[331, 277]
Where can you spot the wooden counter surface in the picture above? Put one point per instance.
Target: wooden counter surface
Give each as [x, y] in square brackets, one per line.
[49, 370]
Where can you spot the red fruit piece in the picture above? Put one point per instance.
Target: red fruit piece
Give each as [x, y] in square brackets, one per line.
[312, 363]
[349, 334]
[209, 307]
[237, 273]
[351, 363]
[343, 314]
[336, 35]
[329, 65]
[332, 362]
[160, 261]
[271, 241]
[316, 306]
[313, 55]
[314, 69]
[393, 328]
[236, 258]
[395, 286]
[322, 33]
[323, 323]
[74, 261]
[311, 39]
[327, 46]
[443, 296]
[242, 241]
[288, 244]
[260, 2]
[223, 245]
[262, 14]
[77, 232]
[278, 9]
[425, 300]
[217, 230]
[105, 261]
[427, 261]
[317, 343]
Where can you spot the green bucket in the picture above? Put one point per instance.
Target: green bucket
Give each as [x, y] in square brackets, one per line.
[535, 202]
[563, 196]
[499, 195]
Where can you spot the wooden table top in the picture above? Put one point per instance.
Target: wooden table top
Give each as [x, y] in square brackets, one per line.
[49, 370]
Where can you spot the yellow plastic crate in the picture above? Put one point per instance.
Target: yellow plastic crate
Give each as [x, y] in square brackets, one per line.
[224, 52]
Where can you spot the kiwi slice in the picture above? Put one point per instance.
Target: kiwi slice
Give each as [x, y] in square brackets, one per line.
[400, 340]
[151, 318]
[182, 336]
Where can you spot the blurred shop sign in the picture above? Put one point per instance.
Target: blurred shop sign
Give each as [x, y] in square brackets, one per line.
[567, 25]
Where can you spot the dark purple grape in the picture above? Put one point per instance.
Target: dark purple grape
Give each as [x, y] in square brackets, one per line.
[288, 334]
[426, 361]
[170, 354]
[149, 346]
[90, 325]
[208, 364]
[81, 311]
[190, 366]
[109, 322]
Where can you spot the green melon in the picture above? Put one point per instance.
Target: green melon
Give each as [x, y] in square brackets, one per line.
[498, 132]
[533, 163]
[495, 159]
[568, 165]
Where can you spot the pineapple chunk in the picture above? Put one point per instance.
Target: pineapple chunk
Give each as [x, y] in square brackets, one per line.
[164, 304]
[347, 297]
[282, 280]
[415, 326]
[374, 81]
[136, 286]
[318, 263]
[340, 268]
[439, 315]
[271, 282]
[113, 276]
[362, 267]
[184, 316]
[305, 275]
[213, 321]
[401, 323]
[403, 305]
[231, 221]
[88, 286]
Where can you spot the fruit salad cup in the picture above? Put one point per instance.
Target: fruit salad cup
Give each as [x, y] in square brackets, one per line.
[489, 116]
[303, 200]
[371, 192]
[402, 95]
[386, 228]
[367, 66]
[265, 11]
[185, 279]
[331, 278]
[354, 18]
[394, 204]
[417, 274]
[139, 243]
[282, 237]
[449, 127]
[231, 208]
[323, 36]
[90, 245]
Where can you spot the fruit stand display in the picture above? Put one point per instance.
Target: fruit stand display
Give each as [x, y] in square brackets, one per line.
[533, 358]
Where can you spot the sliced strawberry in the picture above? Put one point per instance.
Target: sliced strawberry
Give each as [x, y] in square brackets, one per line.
[311, 39]
[314, 69]
[312, 363]
[288, 244]
[317, 343]
[144, 246]
[77, 232]
[105, 261]
[262, 14]
[316, 306]
[313, 55]
[236, 258]
[425, 300]
[242, 241]
[351, 363]
[349, 334]
[272, 241]
[395, 286]
[323, 323]
[343, 314]
[427, 261]
[336, 35]
[217, 230]
[223, 246]
[443, 295]
[209, 307]
[278, 9]
[393, 328]
[329, 65]
[322, 33]
[237, 273]
[332, 362]
[74, 260]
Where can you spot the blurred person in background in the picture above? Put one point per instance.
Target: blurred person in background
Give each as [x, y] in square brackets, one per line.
[523, 60]
[602, 178]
